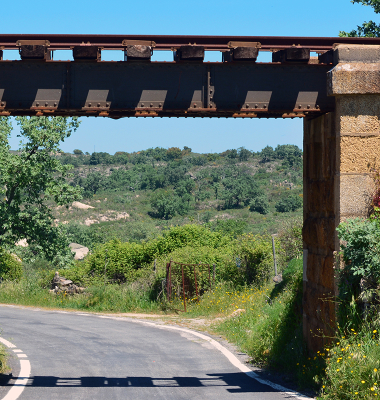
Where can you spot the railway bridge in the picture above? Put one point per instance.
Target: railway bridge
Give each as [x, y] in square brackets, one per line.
[332, 83]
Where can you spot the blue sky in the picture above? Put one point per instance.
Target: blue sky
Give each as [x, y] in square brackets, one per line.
[165, 17]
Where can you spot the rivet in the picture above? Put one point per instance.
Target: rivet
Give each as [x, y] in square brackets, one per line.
[195, 106]
[2, 104]
[55, 104]
[160, 105]
[46, 104]
[107, 104]
[89, 104]
[256, 105]
[142, 104]
[98, 104]
[37, 104]
[308, 106]
[300, 106]
[247, 106]
[151, 104]
[265, 106]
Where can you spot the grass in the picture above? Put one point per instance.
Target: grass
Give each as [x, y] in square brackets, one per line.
[268, 326]
[3, 359]
[98, 297]
[265, 322]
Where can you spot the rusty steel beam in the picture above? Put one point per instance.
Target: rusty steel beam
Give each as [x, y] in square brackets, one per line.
[170, 42]
[194, 89]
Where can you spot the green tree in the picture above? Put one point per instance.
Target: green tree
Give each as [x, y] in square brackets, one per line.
[239, 189]
[31, 179]
[78, 152]
[164, 204]
[260, 204]
[367, 29]
[267, 154]
[289, 203]
[244, 154]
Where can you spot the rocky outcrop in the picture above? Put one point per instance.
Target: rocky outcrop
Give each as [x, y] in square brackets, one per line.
[79, 250]
[59, 284]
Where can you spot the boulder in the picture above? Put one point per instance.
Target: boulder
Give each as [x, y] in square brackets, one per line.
[79, 250]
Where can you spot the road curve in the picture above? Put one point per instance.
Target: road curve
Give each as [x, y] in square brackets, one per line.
[84, 356]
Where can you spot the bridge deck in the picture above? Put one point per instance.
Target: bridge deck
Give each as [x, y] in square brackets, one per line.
[195, 89]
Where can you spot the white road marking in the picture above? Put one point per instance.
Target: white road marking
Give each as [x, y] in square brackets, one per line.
[231, 357]
[8, 344]
[17, 351]
[233, 360]
[23, 377]
[22, 356]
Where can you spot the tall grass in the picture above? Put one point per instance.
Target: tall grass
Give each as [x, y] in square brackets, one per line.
[109, 298]
[267, 323]
[3, 359]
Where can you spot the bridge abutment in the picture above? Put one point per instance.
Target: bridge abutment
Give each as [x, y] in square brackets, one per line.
[341, 150]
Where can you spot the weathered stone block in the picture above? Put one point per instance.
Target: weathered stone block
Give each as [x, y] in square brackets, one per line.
[356, 52]
[359, 154]
[353, 78]
[358, 115]
[355, 195]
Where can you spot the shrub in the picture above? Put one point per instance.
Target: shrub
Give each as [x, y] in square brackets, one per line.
[260, 204]
[255, 251]
[360, 275]
[289, 203]
[290, 240]
[120, 262]
[10, 267]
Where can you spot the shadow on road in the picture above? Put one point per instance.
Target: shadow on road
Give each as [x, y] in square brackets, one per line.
[234, 382]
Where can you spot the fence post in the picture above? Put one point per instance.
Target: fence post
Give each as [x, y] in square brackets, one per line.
[213, 273]
[155, 266]
[274, 255]
[105, 268]
[196, 285]
[170, 280]
[209, 276]
[183, 288]
[167, 281]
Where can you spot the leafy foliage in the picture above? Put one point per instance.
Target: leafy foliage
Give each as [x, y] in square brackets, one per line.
[31, 178]
[260, 204]
[367, 29]
[10, 267]
[289, 203]
[290, 240]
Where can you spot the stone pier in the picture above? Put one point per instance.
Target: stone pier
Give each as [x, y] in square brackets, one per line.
[341, 149]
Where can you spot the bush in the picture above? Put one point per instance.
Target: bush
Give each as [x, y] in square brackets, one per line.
[255, 253]
[290, 203]
[360, 276]
[290, 240]
[260, 204]
[10, 267]
[121, 262]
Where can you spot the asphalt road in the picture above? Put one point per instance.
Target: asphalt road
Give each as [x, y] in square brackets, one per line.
[76, 356]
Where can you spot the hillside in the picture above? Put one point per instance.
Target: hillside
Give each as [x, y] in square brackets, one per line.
[134, 196]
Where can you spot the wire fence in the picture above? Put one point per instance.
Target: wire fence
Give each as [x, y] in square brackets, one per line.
[184, 281]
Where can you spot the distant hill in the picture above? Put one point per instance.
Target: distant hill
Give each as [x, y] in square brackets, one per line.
[136, 195]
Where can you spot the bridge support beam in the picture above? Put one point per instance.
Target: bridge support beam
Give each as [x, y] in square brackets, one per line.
[341, 149]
